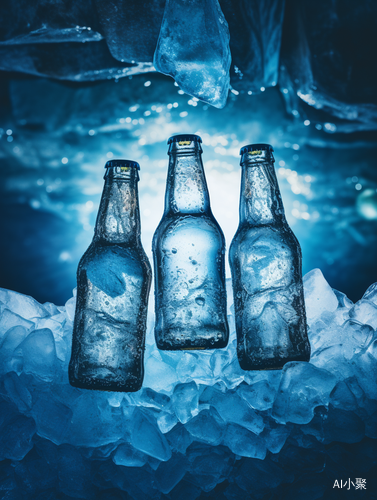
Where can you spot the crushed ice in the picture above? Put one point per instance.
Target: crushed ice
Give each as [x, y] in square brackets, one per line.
[198, 413]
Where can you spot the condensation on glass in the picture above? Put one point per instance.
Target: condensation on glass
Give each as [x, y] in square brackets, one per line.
[113, 282]
[265, 261]
[188, 251]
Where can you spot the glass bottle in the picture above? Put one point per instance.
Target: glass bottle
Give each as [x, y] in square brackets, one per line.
[265, 261]
[188, 250]
[113, 283]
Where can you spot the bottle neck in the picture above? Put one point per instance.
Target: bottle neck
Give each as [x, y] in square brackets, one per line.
[186, 189]
[118, 219]
[260, 201]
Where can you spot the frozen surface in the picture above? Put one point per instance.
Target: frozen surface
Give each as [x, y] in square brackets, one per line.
[255, 36]
[199, 419]
[131, 28]
[319, 53]
[193, 48]
[325, 62]
[22, 21]
[67, 61]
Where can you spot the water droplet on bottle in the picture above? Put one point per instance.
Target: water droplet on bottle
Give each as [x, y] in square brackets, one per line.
[173, 250]
[200, 301]
[194, 262]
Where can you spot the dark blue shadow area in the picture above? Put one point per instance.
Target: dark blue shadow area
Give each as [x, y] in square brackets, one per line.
[31, 244]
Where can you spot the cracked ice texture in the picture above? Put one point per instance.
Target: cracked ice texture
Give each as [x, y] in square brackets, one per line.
[255, 38]
[199, 419]
[326, 60]
[193, 48]
[67, 61]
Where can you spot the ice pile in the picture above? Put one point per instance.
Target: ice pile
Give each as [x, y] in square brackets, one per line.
[193, 48]
[200, 424]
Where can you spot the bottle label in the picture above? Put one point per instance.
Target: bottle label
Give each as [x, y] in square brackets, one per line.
[184, 143]
[255, 152]
[124, 169]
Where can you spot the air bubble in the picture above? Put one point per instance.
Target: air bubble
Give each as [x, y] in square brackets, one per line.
[200, 301]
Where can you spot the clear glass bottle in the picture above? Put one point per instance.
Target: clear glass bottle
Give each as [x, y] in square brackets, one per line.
[265, 261]
[113, 283]
[188, 251]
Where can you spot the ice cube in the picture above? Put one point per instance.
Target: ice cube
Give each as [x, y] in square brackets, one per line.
[23, 305]
[131, 35]
[365, 312]
[127, 456]
[342, 396]
[95, 423]
[17, 392]
[366, 366]
[11, 340]
[39, 354]
[146, 437]
[194, 367]
[232, 408]
[166, 422]
[206, 427]
[70, 308]
[193, 48]
[244, 443]
[10, 320]
[170, 473]
[159, 376]
[371, 294]
[302, 388]
[185, 401]
[259, 396]
[319, 296]
[275, 437]
[179, 439]
[52, 418]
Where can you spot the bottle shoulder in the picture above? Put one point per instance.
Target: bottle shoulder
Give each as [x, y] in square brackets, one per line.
[176, 226]
[181, 222]
[104, 254]
[248, 237]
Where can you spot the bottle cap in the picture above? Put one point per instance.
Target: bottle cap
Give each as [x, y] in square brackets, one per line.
[184, 138]
[256, 147]
[122, 163]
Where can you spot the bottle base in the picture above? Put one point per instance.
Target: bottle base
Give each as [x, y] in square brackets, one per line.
[189, 338]
[269, 364]
[189, 346]
[104, 385]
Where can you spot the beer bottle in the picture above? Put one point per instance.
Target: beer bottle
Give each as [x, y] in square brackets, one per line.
[265, 261]
[113, 282]
[188, 251]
